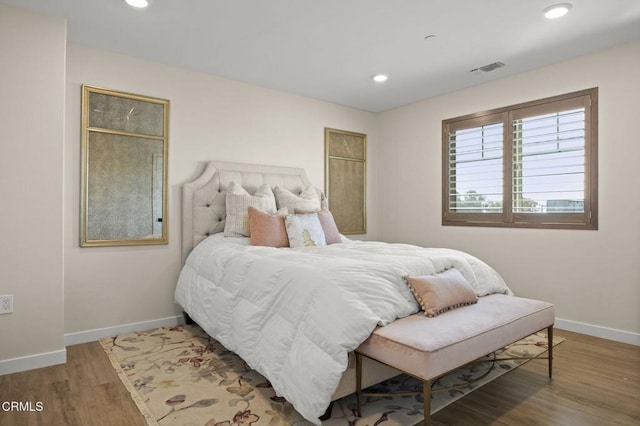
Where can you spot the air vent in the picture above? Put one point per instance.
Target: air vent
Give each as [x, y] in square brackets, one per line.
[487, 68]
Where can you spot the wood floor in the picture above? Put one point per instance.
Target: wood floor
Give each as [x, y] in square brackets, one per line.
[596, 382]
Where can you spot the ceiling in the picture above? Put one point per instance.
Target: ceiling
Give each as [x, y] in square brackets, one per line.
[329, 49]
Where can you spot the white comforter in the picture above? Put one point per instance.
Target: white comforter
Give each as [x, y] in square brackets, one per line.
[294, 314]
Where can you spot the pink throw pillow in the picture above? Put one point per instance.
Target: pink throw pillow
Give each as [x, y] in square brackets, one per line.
[441, 292]
[267, 229]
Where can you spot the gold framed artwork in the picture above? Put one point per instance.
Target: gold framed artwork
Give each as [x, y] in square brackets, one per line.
[346, 179]
[124, 168]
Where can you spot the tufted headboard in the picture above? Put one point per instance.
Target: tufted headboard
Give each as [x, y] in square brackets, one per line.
[204, 198]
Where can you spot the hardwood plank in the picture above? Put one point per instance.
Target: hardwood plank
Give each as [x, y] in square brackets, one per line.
[84, 391]
[595, 382]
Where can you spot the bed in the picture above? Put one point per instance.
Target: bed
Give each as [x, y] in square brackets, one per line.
[296, 314]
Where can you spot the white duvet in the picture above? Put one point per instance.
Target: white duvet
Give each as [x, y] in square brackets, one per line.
[294, 314]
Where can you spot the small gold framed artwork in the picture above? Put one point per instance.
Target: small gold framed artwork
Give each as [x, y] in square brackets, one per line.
[346, 179]
[124, 168]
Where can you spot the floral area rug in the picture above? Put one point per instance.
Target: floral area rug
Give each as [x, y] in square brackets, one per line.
[180, 376]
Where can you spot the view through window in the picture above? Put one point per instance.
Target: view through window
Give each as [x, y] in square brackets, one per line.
[529, 165]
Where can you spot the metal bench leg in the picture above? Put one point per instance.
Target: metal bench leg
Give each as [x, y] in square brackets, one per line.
[550, 344]
[426, 393]
[359, 383]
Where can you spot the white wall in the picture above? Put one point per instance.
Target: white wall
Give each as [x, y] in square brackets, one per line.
[210, 118]
[593, 277]
[32, 85]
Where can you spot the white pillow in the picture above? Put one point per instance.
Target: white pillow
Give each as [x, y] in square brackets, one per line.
[238, 201]
[304, 230]
[307, 200]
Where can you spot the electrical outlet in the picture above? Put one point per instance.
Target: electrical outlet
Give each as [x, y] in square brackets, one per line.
[6, 304]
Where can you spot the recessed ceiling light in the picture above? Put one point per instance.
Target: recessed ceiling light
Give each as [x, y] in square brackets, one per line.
[557, 10]
[138, 3]
[380, 78]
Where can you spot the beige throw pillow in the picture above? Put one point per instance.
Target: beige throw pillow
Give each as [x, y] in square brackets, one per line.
[308, 199]
[441, 292]
[238, 201]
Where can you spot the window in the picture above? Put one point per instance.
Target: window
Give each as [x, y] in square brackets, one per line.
[532, 165]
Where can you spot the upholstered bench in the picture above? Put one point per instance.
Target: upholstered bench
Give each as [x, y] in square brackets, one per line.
[428, 348]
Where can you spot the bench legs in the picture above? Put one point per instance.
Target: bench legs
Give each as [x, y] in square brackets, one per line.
[426, 384]
[550, 345]
[426, 392]
[359, 383]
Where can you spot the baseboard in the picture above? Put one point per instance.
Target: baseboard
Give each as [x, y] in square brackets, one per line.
[598, 331]
[16, 365]
[31, 362]
[101, 333]
[562, 324]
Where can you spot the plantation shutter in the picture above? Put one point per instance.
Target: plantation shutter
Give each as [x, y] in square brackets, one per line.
[549, 163]
[532, 165]
[475, 167]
